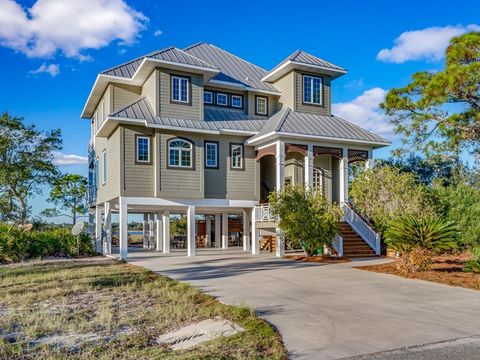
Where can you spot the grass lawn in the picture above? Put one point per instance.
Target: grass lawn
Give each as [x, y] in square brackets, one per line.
[446, 269]
[102, 309]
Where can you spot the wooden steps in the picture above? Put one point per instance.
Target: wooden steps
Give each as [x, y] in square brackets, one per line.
[353, 245]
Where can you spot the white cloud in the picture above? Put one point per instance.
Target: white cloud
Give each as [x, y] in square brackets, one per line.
[64, 159]
[52, 69]
[426, 44]
[157, 33]
[355, 84]
[365, 112]
[67, 26]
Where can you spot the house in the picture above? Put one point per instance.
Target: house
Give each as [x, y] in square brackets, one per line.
[204, 132]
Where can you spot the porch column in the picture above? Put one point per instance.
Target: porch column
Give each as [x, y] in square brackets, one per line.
[225, 231]
[166, 231]
[369, 161]
[159, 232]
[91, 225]
[255, 239]
[280, 165]
[107, 245]
[344, 177]
[246, 230]
[218, 230]
[123, 229]
[191, 231]
[208, 230]
[309, 167]
[98, 229]
[145, 230]
[280, 242]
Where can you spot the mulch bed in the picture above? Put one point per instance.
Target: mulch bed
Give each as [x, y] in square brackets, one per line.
[318, 259]
[446, 269]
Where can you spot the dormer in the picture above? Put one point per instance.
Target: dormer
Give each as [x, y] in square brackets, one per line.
[304, 81]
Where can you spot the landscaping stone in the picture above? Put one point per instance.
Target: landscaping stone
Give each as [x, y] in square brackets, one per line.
[195, 334]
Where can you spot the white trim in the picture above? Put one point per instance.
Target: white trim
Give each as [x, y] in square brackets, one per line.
[271, 75]
[179, 78]
[237, 97]
[148, 148]
[312, 78]
[214, 203]
[207, 143]
[232, 146]
[214, 82]
[180, 153]
[237, 132]
[266, 105]
[104, 167]
[216, 99]
[211, 94]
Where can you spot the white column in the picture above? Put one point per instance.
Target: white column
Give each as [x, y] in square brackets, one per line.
[369, 161]
[159, 232]
[208, 230]
[280, 165]
[225, 231]
[344, 177]
[107, 245]
[123, 229]
[191, 231]
[98, 229]
[280, 242]
[151, 231]
[246, 230]
[218, 230]
[254, 237]
[309, 167]
[145, 230]
[166, 231]
[91, 225]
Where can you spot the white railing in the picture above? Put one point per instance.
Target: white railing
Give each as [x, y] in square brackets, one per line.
[338, 244]
[264, 213]
[362, 228]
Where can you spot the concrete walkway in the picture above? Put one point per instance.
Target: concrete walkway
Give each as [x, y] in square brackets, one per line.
[328, 311]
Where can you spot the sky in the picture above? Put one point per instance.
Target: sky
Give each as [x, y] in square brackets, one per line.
[52, 50]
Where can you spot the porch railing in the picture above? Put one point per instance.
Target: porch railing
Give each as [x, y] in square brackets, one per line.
[362, 228]
[263, 213]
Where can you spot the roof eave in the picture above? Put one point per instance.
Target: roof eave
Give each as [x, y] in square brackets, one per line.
[290, 65]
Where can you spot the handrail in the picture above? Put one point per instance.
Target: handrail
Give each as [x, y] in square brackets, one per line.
[362, 228]
[264, 213]
[338, 244]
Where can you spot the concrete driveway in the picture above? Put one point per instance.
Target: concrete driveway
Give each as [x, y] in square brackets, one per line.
[328, 311]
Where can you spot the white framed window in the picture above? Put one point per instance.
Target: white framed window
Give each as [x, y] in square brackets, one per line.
[222, 99]
[236, 156]
[211, 154]
[261, 105]
[104, 167]
[317, 181]
[207, 97]
[237, 101]
[180, 89]
[143, 149]
[312, 90]
[180, 153]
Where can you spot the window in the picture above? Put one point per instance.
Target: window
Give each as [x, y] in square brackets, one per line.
[211, 154]
[179, 153]
[180, 89]
[104, 167]
[312, 90]
[261, 107]
[237, 101]
[208, 97]
[143, 149]
[236, 155]
[222, 99]
[317, 179]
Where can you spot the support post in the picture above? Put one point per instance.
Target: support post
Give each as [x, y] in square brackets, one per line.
[151, 232]
[369, 161]
[166, 231]
[191, 231]
[254, 237]
[107, 245]
[91, 225]
[280, 242]
[280, 165]
[159, 232]
[98, 229]
[246, 230]
[225, 231]
[145, 230]
[123, 229]
[218, 230]
[344, 177]
[208, 231]
[309, 167]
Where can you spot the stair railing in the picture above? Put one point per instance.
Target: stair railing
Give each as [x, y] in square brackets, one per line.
[338, 244]
[362, 228]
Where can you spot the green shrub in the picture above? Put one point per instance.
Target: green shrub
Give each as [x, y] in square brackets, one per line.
[472, 266]
[415, 239]
[17, 244]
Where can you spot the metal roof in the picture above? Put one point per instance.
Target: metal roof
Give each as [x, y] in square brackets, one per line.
[171, 54]
[233, 68]
[300, 56]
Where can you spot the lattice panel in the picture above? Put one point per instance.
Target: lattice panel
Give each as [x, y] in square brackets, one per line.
[357, 155]
[302, 149]
[268, 150]
[323, 150]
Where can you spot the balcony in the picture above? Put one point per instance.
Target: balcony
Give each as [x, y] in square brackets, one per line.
[263, 213]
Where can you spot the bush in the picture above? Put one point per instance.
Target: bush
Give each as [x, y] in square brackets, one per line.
[472, 266]
[306, 218]
[17, 244]
[416, 239]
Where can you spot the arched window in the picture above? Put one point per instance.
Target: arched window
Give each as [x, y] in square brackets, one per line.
[180, 153]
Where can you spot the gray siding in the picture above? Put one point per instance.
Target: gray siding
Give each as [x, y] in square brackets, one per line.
[286, 86]
[111, 188]
[151, 91]
[124, 95]
[272, 103]
[324, 162]
[299, 106]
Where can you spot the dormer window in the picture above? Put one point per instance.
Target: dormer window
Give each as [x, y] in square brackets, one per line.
[207, 97]
[222, 99]
[312, 90]
[261, 105]
[237, 101]
[180, 89]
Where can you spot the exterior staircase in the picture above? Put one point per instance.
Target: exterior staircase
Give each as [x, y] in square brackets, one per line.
[353, 245]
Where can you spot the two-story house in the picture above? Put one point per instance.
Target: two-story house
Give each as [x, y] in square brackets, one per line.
[204, 132]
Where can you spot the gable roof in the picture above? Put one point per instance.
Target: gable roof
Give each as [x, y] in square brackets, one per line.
[233, 69]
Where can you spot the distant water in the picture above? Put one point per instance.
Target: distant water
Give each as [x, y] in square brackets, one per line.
[130, 232]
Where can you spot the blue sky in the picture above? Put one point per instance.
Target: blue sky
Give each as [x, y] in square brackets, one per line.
[52, 50]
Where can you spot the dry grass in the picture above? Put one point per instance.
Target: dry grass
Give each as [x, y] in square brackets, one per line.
[445, 270]
[104, 309]
[317, 259]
